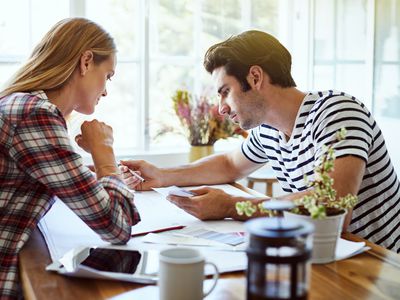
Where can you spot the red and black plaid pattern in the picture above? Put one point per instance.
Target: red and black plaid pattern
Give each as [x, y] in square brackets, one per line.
[38, 164]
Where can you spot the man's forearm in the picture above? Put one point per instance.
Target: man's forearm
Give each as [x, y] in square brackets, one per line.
[214, 169]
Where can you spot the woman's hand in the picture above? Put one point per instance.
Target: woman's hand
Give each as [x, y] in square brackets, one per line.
[97, 139]
[94, 134]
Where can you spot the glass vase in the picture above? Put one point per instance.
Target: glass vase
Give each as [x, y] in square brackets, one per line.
[197, 152]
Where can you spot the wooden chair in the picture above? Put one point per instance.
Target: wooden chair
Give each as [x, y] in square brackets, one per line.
[264, 175]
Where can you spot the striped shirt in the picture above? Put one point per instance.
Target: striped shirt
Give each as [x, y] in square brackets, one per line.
[38, 164]
[376, 214]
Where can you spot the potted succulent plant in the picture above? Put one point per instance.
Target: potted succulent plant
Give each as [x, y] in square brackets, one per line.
[321, 207]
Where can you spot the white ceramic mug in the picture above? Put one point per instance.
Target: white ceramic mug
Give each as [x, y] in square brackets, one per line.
[181, 274]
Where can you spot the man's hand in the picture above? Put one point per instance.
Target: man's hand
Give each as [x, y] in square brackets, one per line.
[208, 204]
[152, 175]
[130, 180]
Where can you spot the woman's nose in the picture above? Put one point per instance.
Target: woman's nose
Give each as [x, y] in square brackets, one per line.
[104, 93]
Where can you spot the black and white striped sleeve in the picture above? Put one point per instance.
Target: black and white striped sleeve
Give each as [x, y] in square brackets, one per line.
[253, 149]
[343, 112]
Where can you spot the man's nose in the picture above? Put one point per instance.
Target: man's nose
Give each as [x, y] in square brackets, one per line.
[223, 108]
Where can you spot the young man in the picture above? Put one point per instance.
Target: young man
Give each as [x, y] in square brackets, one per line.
[252, 76]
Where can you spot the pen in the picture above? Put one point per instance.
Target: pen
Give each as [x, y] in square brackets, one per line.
[134, 174]
[158, 230]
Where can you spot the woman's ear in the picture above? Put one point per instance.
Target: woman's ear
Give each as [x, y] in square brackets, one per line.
[85, 62]
[255, 77]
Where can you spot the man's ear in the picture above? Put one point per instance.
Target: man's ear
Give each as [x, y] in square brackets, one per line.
[255, 77]
[85, 61]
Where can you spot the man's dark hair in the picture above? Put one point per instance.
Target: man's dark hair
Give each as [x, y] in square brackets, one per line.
[238, 53]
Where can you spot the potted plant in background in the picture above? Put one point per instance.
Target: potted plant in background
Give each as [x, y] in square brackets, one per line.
[201, 123]
[321, 207]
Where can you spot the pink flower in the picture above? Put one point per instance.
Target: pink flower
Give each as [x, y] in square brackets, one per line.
[201, 121]
[184, 112]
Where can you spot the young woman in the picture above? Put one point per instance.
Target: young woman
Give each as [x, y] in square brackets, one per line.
[66, 72]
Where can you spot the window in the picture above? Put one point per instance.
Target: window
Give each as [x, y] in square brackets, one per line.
[22, 24]
[340, 41]
[386, 79]
[352, 46]
[162, 44]
[180, 33]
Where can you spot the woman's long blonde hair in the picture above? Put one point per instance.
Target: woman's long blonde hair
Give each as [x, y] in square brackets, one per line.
[55, 58]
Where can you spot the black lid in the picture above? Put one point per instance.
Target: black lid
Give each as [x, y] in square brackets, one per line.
[278, 228]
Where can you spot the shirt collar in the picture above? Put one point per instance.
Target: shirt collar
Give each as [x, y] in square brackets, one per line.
[40, 94]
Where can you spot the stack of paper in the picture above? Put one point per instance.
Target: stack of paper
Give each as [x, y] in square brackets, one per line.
[346, 249]
[156, 212]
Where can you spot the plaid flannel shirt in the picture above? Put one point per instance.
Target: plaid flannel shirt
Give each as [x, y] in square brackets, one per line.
[38, 164]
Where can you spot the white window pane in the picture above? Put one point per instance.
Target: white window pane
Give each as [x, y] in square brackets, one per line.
[265, 15]
[46, 13]
[6, 71]
[387, 74]
[387, 31]
[171, 28]
[387, 91]
[324, 29]
[119, 109]
[352, 79]
[387, 60]
[229, 9]
[207, 84]
[20, 34]
[119, 18]
[323, 77]
[390, 128]
[165, 79]
[14, 31]
[220, 19]
[122, 107]
[351, 29]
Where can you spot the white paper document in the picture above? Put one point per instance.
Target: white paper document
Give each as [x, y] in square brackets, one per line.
[156, 212]
[227, 288]
[63, 230]
[140, 266]
[346, 249]
[174, 190]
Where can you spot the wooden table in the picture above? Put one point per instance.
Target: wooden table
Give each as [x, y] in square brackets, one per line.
[374, 274]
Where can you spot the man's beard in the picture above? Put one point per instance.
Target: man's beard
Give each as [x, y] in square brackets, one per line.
[249, 123]
[255, 118]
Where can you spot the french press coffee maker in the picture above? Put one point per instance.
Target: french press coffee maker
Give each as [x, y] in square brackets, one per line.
[279, 253]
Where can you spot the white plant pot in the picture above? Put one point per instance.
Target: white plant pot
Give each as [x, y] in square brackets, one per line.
[326, 233]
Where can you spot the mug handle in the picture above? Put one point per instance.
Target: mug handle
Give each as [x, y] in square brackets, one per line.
[215, 277]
